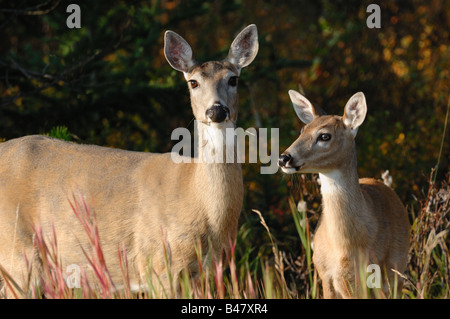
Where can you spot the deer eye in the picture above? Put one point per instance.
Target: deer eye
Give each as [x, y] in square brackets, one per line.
[233, 81]
[194, 84]
[325, 137]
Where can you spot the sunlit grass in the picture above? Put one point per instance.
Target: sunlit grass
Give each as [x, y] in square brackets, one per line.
[245, 273]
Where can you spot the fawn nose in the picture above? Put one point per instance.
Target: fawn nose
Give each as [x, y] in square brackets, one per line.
[218, 113]
[284, 159]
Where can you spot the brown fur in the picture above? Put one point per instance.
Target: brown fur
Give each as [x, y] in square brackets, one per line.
[363, 221]
[145, 202]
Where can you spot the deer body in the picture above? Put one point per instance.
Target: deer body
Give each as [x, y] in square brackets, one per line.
[363, 221]
[152, 206]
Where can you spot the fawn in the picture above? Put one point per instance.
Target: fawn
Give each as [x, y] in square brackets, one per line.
[363, 221]
[146, 202]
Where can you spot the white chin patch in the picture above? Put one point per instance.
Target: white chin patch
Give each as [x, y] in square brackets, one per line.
[288, 170]
[216, 133]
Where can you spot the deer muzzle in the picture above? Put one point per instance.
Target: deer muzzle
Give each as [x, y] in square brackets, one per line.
[218, 113]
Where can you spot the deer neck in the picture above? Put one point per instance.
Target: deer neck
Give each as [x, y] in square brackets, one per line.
[219, 177]
[215, 142]
[344, 208]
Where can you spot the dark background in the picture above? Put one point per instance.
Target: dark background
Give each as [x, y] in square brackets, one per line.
[109, 84]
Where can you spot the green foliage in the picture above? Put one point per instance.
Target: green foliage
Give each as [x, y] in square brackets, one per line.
[108, 83]
[61, 132]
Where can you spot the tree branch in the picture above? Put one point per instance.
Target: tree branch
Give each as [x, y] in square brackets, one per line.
[35, 11]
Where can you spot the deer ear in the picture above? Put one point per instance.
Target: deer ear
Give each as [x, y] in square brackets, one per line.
[355, 112]
[304, 109]
[178, 52]
[244, 48]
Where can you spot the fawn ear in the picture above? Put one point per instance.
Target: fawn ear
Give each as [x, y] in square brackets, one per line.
[304, 109]
[244, 48]
[355, 112]
[178, 52]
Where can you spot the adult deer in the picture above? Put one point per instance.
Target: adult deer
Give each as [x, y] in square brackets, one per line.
[363, 221]
[156, 208]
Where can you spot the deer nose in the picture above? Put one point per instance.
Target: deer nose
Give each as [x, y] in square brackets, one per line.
[284, 159]
[218, 113]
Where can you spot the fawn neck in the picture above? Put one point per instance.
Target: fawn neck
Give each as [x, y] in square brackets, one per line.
[344, 207]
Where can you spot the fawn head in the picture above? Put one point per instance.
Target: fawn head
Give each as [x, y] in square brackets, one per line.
[326, 142]
[213, 84]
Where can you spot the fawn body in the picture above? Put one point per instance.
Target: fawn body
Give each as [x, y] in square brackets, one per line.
[154, 207]
[363, 221]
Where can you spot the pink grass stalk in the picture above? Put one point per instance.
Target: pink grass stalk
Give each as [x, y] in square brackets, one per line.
[200, 283]
[97, 261]
[123, 261]
[218, 278]
[233, 271]
[11, 285]
[250, 287]
[51, 277]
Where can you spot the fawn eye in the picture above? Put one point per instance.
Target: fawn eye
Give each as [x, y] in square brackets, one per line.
[233, 81]
[194, 84]
[325, 137]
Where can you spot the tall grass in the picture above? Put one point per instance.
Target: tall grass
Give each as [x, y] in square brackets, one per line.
[429, 258]
[299, 215]
[244, 273]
